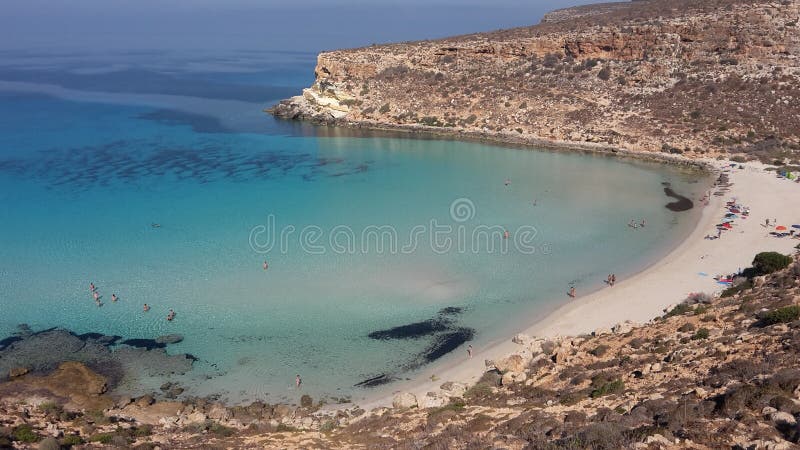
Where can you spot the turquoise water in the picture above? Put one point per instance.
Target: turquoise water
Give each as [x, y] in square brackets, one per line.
[84, 183]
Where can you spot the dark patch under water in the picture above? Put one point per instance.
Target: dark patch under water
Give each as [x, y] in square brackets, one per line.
[148, 344]
[8, 341]
[130, 161]
[376, 381]
[412, 330]
[681, 203]
[198, 122]
[445, 337]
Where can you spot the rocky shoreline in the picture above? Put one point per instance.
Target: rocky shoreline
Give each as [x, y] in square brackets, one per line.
[711, 371]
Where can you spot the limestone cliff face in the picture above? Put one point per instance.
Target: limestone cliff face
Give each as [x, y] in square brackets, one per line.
[692, 77]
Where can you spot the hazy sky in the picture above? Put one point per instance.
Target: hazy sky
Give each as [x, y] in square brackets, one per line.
[309, 25]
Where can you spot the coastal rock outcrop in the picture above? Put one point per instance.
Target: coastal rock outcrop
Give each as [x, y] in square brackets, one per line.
[665, 77]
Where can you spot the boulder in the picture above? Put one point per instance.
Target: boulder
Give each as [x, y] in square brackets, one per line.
[404, 400]
[510, 378]
[453, 389]
[601, 331]
[656, 367]
[433, 400]
[144, 401]
[513, 363]
[169, 339]
[783, 418]
[218, 412]
[18, 372]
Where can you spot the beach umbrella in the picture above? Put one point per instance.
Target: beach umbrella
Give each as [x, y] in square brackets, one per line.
[780, 228]
[727, 225]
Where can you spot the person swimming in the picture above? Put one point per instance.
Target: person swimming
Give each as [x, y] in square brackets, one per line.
[92, 288]
[266, 266]
[508, 181]
[644, 222]
[146, 307]
[95, 295]
[505, 234]
[298, 381]
[171, 315]
[114, 297]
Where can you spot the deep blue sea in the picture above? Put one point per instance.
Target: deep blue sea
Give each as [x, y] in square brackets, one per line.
[158, 177]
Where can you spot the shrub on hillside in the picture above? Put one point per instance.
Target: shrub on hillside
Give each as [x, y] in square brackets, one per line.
[785, 314]
[767, 262]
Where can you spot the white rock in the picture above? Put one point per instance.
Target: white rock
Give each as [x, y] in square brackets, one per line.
[196, 417]
[783, 418]
[453, 389]
[656, 367]
[768, 410]
[513, 377]
[601, 331]
[433, 400]
[404, 400]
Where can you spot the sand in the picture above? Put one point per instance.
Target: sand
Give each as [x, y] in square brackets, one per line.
[669, 281]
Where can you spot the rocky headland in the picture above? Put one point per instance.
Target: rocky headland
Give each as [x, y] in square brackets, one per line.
[695, 78]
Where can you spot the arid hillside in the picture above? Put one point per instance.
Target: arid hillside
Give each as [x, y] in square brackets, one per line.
[684, 77]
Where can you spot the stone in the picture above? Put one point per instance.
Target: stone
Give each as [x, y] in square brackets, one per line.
[404, 400]
[783, 418]
[432, 400]
[454, 389]
[658, 440]
[144, 401]
[281, 411]
[510, 378]
[49, 443]
[513, 363]
[622, 328]
[601, 332]
[169, 339]
[18, 372]
[196, 417]
[768, 410]
[218, 412]
[656, 367]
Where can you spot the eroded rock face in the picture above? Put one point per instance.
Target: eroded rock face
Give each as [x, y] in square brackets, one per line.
[660, 76]
[75, 383]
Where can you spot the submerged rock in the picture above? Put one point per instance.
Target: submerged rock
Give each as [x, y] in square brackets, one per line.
[169, 339]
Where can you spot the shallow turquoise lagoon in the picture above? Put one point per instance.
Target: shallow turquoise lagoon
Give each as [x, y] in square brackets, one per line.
[180, 211]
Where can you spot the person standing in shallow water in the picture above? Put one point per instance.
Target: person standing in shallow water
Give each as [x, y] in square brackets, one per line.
[469, 351]
[297, 381]
[572, 292]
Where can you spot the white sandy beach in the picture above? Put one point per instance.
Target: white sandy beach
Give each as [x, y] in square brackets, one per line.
[667, 282]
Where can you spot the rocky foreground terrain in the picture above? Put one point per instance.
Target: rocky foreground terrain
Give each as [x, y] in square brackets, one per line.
[689, 77]
[711, 373]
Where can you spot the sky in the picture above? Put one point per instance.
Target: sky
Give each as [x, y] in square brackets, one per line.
[299, 25]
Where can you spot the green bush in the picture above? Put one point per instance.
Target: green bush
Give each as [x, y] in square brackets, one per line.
[384, 109]
[702, 333]
[612, 387]
[143, 430]
[681, 309]
[25, 433]
[785, 314]
[220, 430]
[70, 440]
[767, 262]
[737, 288]
[103, 438]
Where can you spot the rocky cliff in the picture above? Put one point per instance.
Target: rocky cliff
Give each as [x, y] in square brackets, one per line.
[691, 77]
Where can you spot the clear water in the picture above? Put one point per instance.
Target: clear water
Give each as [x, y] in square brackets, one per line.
[85, 175]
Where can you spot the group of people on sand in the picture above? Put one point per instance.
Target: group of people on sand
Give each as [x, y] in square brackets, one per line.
[96, 295]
